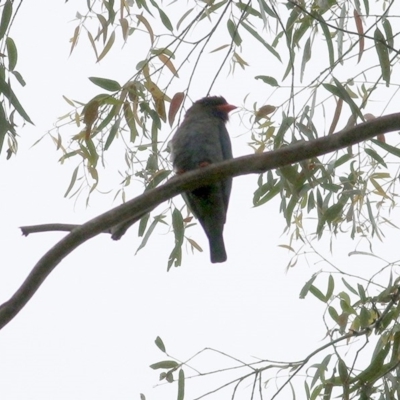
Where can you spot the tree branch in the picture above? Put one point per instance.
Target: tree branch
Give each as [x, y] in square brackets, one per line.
[256, 163]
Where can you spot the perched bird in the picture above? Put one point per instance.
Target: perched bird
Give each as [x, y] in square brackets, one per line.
[200, 140]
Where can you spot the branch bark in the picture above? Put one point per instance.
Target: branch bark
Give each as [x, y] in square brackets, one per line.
[132, 209]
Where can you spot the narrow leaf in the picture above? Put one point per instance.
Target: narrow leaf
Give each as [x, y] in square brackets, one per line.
[383, 55]
[5, 18]
[160, 344]
[175, 105]
[328, 39]
[360, 31]
[5, 88]
[261, 40]
[107, 47]
[111, 136]
[269, 80]
[144, 21]
[12, 53]
[393, 150]
[336, 116]
[181, 384]
[107, 84]
[168, 63]
[233, 31]
[72, 182]
[306, 58]
[372, 153]
[168, 364]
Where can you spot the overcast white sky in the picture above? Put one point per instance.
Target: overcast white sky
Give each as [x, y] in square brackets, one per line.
[89, 331]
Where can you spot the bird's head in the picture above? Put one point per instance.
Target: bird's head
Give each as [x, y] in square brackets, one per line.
[216, 105]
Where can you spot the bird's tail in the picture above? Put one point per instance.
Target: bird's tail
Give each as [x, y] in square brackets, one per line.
[217, 249]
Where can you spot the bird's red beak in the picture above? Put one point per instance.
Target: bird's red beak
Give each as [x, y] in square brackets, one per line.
[227, 108]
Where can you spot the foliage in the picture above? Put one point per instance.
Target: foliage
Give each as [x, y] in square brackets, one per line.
[352, 191]
[10, 106]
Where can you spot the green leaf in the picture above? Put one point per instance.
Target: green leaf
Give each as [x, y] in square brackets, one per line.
[306, 58]
[148, 234]
[307, 286]
[352, 290]
[261, 40]
[5, 18]
[361, 292]
[388, 32]
[5, 88]
[181, 384]
[318, 294]
[269, 80]
[12, 53]
[107, 47]
[333, 313]
[341, 92]
[331, 287]
[107, 84]
[286, 123]
[390, 149]
[4, 126]
[328, 39]
[143, 224]
[233, 31]
[164, 18]
[72, 182]
[168, 364]
[130, 120]
[179, 231]
[159, 343]
[113, 132]
[19, 78]
[383, 55]
[343, 371]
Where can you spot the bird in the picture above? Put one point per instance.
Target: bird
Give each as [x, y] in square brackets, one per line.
[200, 140]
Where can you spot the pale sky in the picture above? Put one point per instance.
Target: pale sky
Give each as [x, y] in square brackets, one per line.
[89, 331]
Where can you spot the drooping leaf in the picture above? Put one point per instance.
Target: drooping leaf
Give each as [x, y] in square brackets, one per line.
[164, 18]
[339, 91]
[74, 39]
[168, 364]
[168, 63]
[372, 153]
[328, 39]
[146, 23]
[307, 286]
[72, 182]
[306, 58]
[160, 344]
[111, 136]
[360, 31]
[174, 106]
[107, 47]
[389, 33]
[181, 385]
[383, 55]
[269, 80]
[147, 236]
[390, 149]
[178, 24]
[107, 84]
[233, 31]
[5, 18]
[261, 40]
[5, 88]
[12, 53]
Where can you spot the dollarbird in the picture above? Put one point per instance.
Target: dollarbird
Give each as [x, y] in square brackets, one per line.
[200, 140]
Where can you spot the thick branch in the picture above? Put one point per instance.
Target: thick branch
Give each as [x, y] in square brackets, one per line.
[240, 166]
